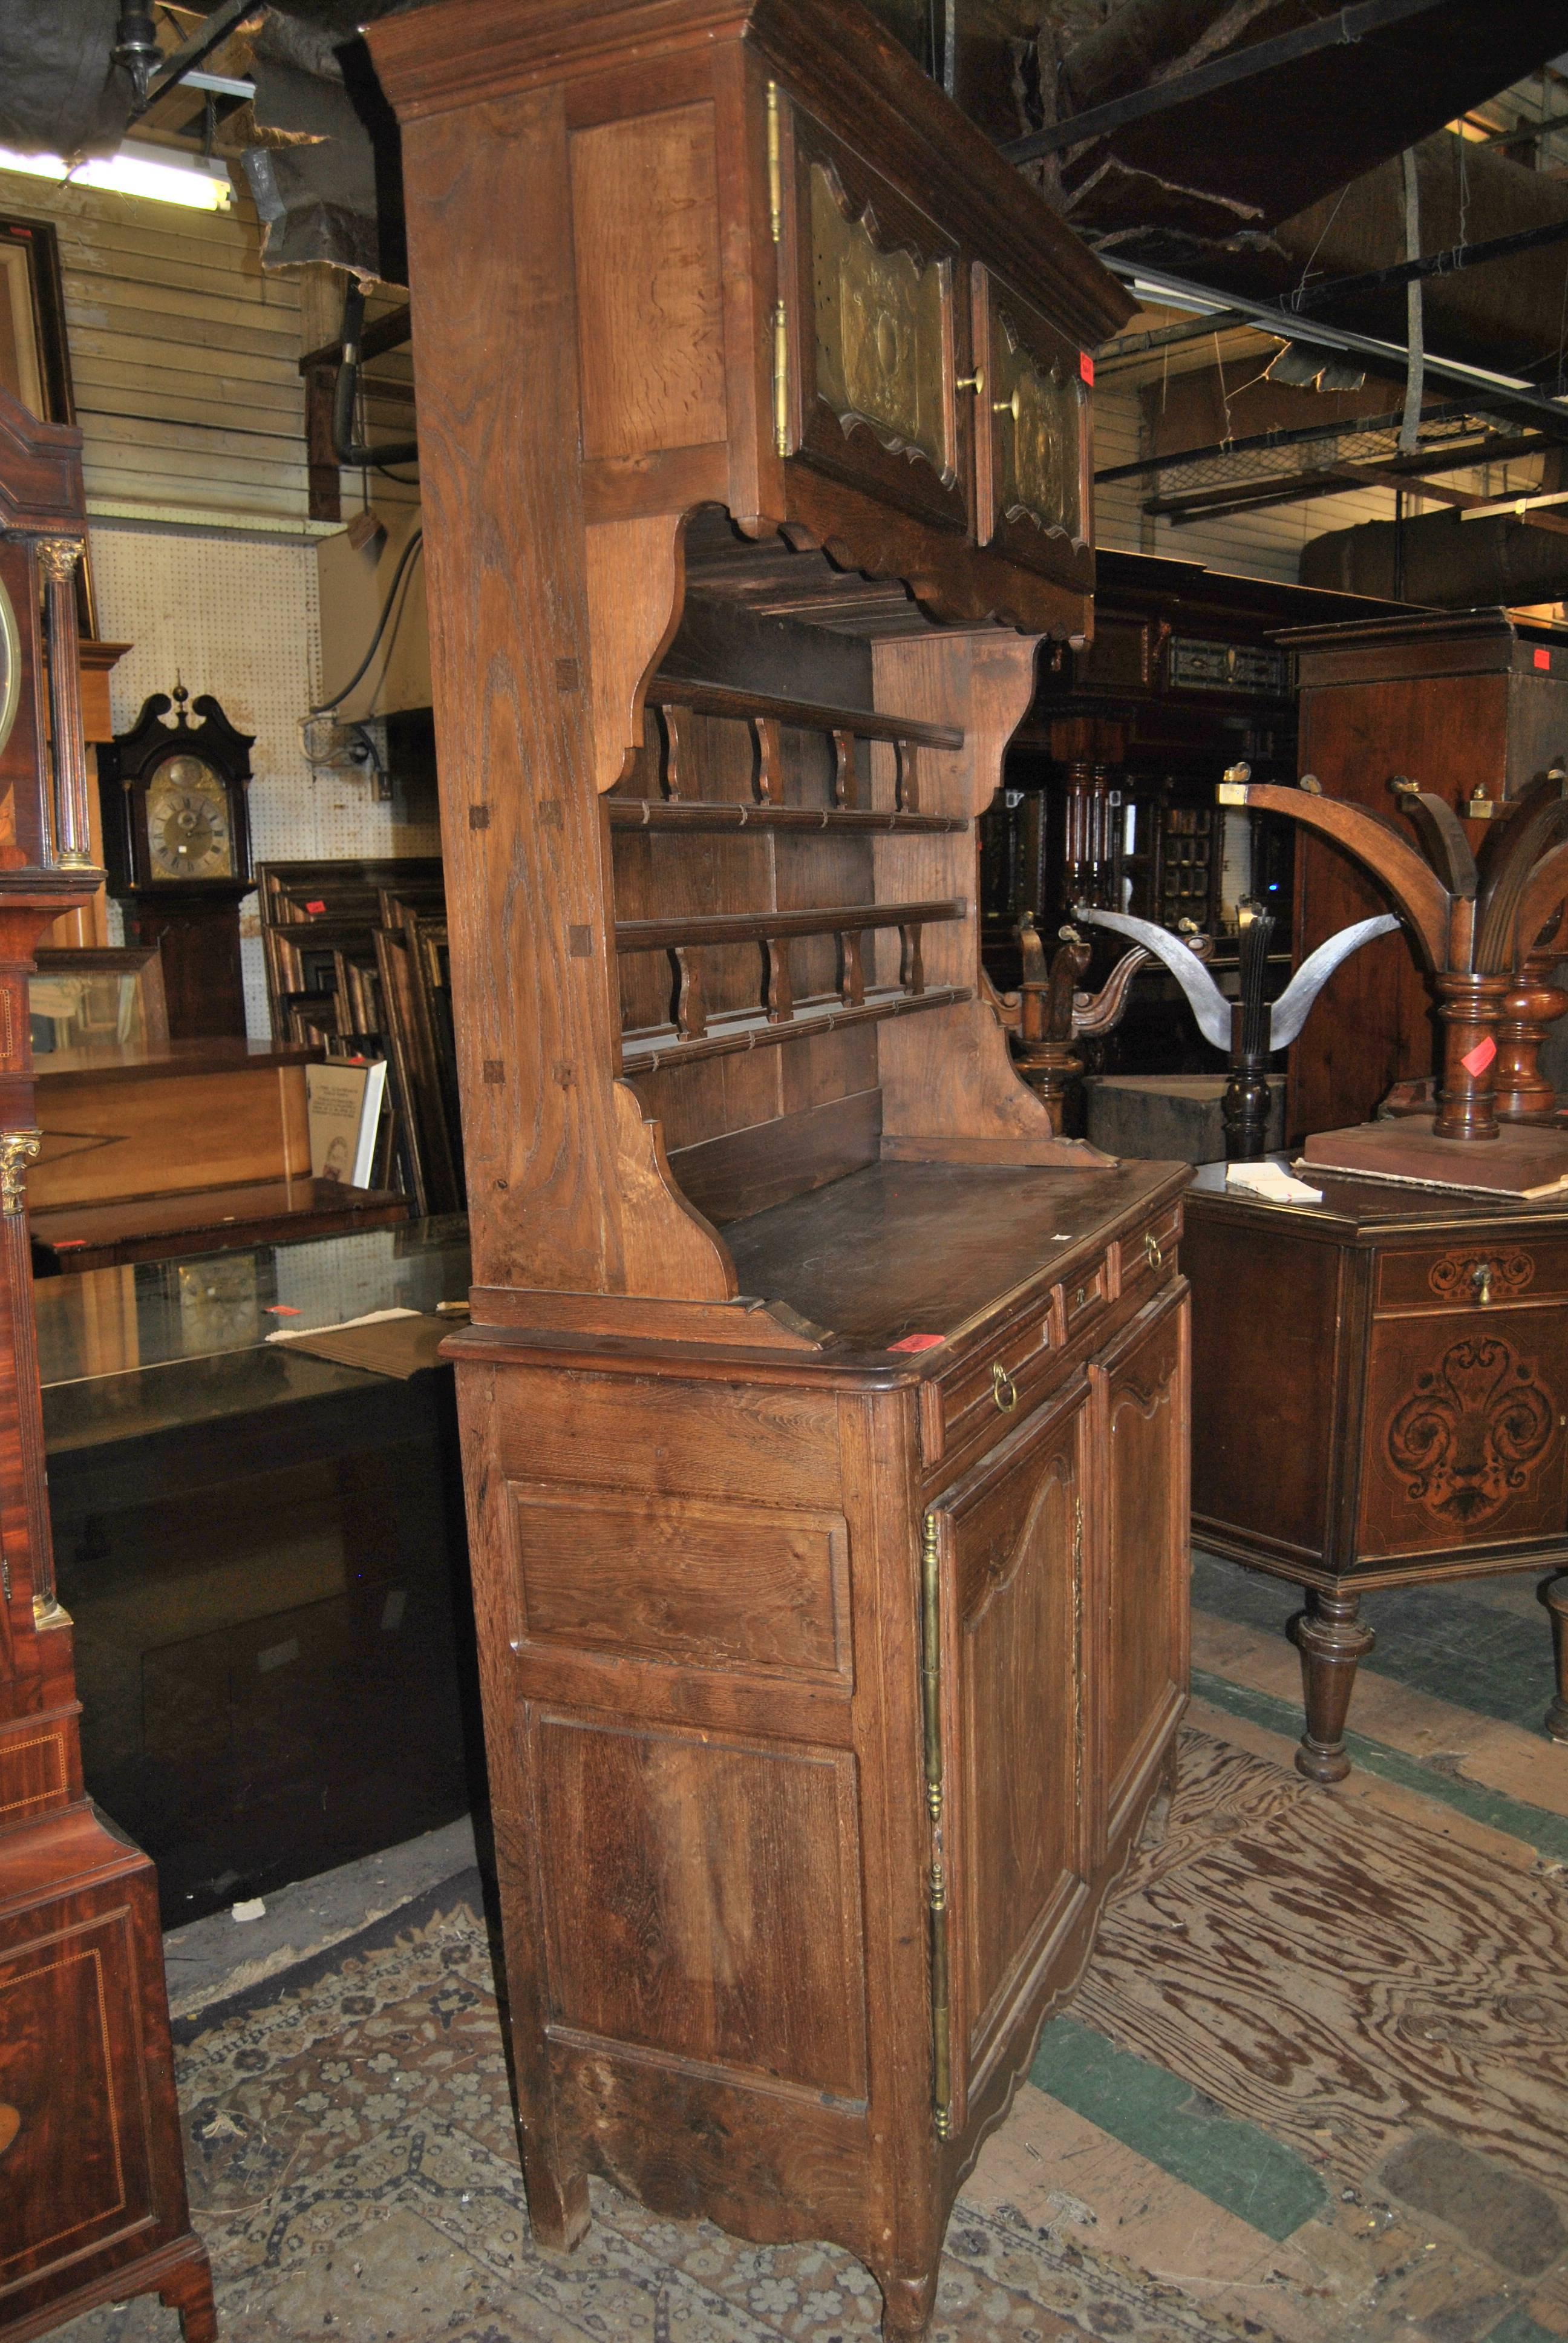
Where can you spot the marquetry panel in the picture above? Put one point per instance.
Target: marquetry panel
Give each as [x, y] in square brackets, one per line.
[1462, 1437]
[37, 1766]
[645, 220]
[701, 1897]
[74, 2171]
[712, 1584]
[1480, 1269]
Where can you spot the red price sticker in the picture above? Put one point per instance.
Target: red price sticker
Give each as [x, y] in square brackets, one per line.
[281, 1310]
[1475, 1062]
[918, 1343]
[315, 907]
[1086, 367]
[1544, 659]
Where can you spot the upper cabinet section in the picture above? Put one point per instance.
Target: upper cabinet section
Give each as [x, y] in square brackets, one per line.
[804, 286]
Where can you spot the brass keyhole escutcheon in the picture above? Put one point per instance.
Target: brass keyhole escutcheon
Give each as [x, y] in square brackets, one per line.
[1151, 1252]
[1482, 1281]
[10, 2125]
[1004, 1390]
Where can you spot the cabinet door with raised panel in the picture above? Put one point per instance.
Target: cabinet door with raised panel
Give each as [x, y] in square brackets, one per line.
[1034, 464]
[875, 334]
[1012, 1837]
[1136, 1590]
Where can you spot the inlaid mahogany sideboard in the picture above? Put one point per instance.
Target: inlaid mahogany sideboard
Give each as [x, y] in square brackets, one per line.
[824, 1414]
[1381, 1398]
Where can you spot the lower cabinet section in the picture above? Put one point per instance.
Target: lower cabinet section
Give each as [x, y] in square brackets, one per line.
[809, 1775]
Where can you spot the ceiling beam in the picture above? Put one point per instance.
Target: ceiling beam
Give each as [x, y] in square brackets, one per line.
[192, 53]
[1330, 479]
[1494, 448]
[1343, 28]
[1436, 264]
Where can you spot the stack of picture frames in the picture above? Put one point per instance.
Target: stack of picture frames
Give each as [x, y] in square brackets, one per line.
[358, 964]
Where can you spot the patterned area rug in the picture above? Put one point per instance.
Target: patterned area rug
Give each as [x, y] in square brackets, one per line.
[353, 2171]
[1357, 1994]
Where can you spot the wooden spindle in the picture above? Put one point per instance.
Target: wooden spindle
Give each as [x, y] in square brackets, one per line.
[674, 742]
[846, 778]
[688, 1007]
[852, 968]
[768, 767]
[911, 966]
[907, 779]
[777, 991]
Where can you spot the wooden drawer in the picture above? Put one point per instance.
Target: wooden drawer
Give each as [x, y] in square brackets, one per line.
[997, 1387]
[1486, 1270]
[1146, 1257]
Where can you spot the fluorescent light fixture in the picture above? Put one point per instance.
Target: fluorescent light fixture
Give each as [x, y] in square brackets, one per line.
[161, 173]
[1515, 504]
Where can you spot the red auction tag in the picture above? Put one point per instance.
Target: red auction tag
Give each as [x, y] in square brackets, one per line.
[315, 907]
[281, 1310]
[1086, 367]
[1475, 1062]
[918, 1343]
[1544, 659]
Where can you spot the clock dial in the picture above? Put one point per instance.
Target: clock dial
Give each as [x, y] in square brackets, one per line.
[10, 666]
[187, 821]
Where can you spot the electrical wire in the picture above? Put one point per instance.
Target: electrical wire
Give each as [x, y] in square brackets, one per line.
[326, 706]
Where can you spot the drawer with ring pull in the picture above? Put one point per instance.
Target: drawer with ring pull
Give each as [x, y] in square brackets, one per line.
[1149, 1254]
[993, 1390]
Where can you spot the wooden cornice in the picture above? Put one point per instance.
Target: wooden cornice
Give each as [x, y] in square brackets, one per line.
[835, 60]
[40, 472]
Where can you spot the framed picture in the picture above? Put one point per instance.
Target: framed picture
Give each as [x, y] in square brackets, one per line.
[34, 365]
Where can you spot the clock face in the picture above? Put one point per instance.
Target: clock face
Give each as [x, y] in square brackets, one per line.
[187, 821]
[10, 666]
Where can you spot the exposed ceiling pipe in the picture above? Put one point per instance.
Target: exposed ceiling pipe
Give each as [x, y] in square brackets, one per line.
[1445, 565]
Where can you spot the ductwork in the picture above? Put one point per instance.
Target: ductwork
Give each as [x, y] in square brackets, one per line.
[1443, 561]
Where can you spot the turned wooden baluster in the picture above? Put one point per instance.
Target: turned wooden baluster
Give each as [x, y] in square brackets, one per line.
[912, 964]
[688, 1008]
[846, 776]
[1533, 1004]
[768, 751]
[778, 992]
[852, 968]
[675, 747]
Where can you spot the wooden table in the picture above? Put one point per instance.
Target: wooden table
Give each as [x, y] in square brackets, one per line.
[1380, 1396]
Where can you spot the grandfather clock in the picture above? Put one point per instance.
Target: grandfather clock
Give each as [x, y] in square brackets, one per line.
[176, 840]
[92, 2181]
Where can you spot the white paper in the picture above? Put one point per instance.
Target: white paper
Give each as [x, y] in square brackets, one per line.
[1273, 1181]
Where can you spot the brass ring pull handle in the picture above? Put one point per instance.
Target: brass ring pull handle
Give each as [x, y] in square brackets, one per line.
[1151, 1252]
[975, 382]
[1004, 1390]
[1481, 1278]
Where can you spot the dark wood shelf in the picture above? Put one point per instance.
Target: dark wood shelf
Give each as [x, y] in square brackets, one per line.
[691, 815]
[756, 1030]
[807, 715]
[766, 927]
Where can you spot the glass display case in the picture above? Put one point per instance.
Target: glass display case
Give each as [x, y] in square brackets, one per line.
[264, 1554]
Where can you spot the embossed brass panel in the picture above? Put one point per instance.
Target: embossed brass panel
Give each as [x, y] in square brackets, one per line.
[1042, 415]
[880, 331]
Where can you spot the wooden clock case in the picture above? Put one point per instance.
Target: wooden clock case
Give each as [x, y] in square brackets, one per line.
[92, 2181]
[824, 1414]
[196, 923]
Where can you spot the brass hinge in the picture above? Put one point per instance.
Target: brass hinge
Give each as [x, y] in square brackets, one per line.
[1078, 1655]
[937, 1891]
[781, 315]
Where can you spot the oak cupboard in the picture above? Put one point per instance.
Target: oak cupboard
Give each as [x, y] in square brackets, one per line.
[825, 1416]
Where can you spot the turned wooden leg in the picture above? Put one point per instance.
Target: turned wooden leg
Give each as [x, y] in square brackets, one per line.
[906, 2306]
[1332, 1641]
[559, 2209]
[189, 2291]
[1554, 1594]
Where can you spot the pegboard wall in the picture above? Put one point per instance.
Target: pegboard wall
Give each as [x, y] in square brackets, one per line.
[236, 614]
